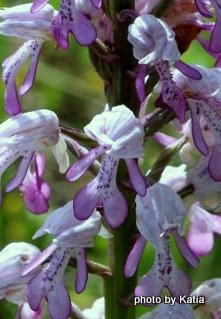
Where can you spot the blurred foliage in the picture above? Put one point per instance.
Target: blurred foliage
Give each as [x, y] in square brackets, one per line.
[67, 84]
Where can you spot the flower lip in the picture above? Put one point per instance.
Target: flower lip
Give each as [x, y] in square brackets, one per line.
[165, 215]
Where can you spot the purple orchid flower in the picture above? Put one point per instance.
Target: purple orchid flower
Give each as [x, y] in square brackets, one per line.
[35, 190]
[25, 134]
[71, 238]
[203, 225]
[154, 43]
[13, 259]
[35, 29]
[156, 220]
[75, 17]
[168, 311]
[120, 135]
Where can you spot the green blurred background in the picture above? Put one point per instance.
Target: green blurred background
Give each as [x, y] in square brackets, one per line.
[67, 84]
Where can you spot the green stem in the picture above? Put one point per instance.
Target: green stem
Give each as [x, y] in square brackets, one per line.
[117, 287]
[122, 88]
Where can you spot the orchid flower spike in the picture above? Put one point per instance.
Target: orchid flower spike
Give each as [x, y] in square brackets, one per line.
[156, 220]
[71, 238]
[168, 311]
[154, 43]
[13, 259]
[203, 226]
[23, 136]
[120, 136]
[35, 29]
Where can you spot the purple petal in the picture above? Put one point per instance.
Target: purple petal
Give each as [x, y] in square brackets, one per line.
[83, 30]
[140, 82]
[11, 67]
[185, 250]
[136, 177]
[69, 19]
[35, 190]
[218, 62]
[38, 5]
[30, 77]
[60, 34]
[80, 167]
[200, 241]
[215, 44]
[49, 285]
[203, 9]
[196, 129]
[214, 164]
[134, 257]
[149, 284]
[174, 98]
[205, 44]
[114, 204]
[7, 158]
[171, 94]
[187, 70]
[81, 271]
[12, 104]
[35, 290]
[115, 207]
[39, 259]
[36, 201]
[84, 208]
[164, 139]
[59, 303]
[21, 172]
[97, 3]
[179, 283]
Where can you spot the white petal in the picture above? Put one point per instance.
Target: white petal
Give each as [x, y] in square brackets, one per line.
[120, 129]
[152, 39]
